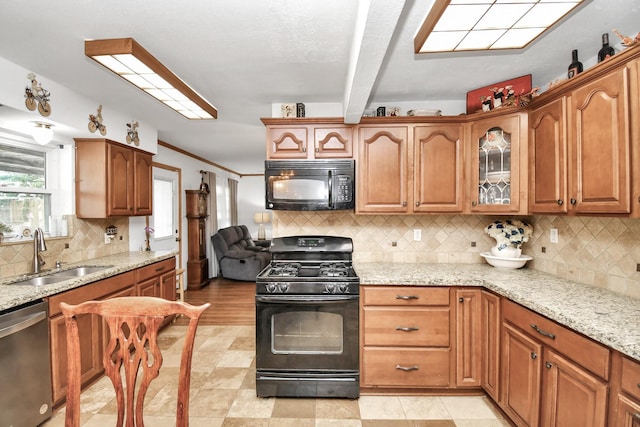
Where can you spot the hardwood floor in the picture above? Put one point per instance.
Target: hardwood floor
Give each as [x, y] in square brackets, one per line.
[232, 302]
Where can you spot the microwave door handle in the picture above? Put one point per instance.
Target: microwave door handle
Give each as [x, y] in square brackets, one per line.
[330, 189]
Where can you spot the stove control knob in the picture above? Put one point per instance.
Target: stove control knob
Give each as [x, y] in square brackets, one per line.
[283, 288]
[344, 288]
[271, 287]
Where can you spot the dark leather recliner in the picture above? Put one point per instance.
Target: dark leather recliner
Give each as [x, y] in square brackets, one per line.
[239, 256]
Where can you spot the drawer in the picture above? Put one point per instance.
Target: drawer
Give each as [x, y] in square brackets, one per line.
[425, 327]
[587, 353]
[630, 381]
[405, 295]
[91, 291]
[155, 269]
[397, 367]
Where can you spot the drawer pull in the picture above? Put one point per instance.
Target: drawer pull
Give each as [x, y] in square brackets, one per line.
[407, 328]
[541, 332]
[160, 269]
[407, 368]
[407, 297]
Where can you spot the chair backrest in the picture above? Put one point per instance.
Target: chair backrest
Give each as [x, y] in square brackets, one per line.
[133, 325]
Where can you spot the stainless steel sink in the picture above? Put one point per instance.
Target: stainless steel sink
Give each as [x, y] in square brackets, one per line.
[44, 280]
[80, 271]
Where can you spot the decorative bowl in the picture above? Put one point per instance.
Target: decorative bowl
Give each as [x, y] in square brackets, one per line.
[508, 263]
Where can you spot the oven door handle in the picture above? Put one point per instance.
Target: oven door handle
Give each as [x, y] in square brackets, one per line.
[305, 299]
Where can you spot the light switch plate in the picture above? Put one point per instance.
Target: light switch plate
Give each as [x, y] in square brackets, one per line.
[553, 235]
[417, 235]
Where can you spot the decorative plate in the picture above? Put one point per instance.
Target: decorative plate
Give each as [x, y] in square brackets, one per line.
[508, 263]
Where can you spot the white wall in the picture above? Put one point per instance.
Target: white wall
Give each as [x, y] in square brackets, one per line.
[251, 200]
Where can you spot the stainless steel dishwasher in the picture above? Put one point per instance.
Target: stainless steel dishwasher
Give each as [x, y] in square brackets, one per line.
[25, 368]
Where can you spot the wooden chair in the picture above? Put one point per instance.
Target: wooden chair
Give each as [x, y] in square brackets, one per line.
[133, 325]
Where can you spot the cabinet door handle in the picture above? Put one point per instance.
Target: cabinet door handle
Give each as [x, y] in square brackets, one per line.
[406, 297]
[636, 416]
[474, 203]
[573, 201]
[404, 203]
[560, 202]
[417, 203]
[541, 332]
[407, 368]
[460, 299]
[548, 365]
[407, 328]
[533, 355]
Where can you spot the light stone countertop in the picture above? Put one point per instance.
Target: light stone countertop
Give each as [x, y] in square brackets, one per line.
[12, 295]
[607, 317]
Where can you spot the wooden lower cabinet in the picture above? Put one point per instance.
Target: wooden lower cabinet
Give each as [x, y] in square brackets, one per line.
[155, 280]
[407, 337]
[468, 347]
[521, 368]
[624, 407]
[571, 396]
[551, 376]
[490, 315]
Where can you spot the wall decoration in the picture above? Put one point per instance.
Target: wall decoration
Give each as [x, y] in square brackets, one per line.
[299, 109]
[499, 94]
[95, 122]
[132, 133]
[37, 96]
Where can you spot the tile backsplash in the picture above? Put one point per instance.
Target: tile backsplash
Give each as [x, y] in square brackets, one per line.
[597, 251]
[85, 241]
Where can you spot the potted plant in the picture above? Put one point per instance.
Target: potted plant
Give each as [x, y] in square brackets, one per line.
[4, 228]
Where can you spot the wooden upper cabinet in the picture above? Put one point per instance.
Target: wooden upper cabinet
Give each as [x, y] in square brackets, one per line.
[382, 169]
[438, 168]
[548, 158]
[112, 180]
[143, 183]
[287, 142]
[333, 142]
[309, 138]
[498, 167]
[599, 145]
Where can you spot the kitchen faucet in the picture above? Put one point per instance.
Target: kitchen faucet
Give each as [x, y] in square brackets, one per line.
[38, 246]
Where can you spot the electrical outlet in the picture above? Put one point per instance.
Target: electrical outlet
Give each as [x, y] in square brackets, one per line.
[417, 235]
[553, 235]
[394, 244]
[107, 239]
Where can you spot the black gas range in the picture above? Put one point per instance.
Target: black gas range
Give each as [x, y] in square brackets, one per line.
[307, 319]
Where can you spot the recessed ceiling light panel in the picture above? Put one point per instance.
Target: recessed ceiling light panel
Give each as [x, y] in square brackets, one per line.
[126, 58]
[488, 24]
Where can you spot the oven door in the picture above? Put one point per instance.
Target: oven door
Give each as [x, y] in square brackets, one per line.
[302, 333]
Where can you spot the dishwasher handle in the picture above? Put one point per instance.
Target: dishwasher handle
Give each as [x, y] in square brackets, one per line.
[23, 323]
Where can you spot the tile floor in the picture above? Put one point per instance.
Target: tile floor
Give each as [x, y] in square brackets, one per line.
[223, 395]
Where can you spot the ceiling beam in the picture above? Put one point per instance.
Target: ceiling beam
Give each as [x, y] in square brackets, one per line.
[374, 29]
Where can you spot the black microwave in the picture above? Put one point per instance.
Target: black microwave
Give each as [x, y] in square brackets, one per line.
[310, 185]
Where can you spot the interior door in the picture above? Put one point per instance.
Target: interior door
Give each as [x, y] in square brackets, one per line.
[165, 220]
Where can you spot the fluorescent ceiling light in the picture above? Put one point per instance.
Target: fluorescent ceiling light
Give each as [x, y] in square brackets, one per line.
[463, 25]
[126, 58]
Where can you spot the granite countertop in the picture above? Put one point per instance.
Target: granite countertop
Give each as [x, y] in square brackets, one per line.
[13, 295]
[604, 316]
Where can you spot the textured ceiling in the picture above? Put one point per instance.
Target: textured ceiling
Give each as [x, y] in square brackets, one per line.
[243, 56]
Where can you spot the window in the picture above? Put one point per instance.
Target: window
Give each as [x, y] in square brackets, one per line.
[25, 200]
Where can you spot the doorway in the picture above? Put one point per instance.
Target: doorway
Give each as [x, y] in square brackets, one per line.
[167, 208]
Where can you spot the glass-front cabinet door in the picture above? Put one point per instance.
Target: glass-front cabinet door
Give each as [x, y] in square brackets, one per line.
[497, 166]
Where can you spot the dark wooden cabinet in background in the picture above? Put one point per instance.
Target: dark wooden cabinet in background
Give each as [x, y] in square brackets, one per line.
[197, 262]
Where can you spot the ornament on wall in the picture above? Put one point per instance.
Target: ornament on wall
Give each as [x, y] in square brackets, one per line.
[95, 122]
[37, 97]
[132, 133]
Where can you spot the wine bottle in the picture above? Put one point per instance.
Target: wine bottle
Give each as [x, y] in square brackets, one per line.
[606, 50]
[575, 67]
